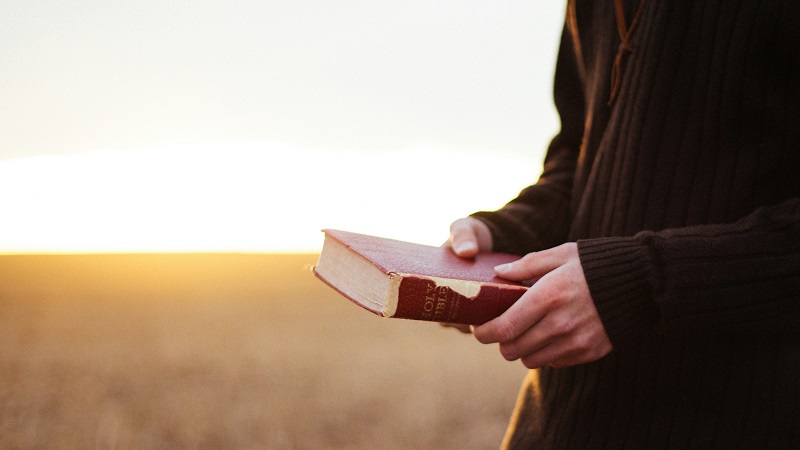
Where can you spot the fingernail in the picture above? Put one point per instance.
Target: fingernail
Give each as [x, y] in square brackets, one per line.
[504, 267]
[464, 247]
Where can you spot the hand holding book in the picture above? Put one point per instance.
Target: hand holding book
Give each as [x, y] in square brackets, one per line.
[555, 322]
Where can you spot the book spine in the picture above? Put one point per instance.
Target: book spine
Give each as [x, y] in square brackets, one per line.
[421, 298]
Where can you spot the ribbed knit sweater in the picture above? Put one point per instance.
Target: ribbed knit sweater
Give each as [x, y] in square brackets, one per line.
[684, 198]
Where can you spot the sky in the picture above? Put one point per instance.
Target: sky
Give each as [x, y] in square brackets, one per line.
[250, 125]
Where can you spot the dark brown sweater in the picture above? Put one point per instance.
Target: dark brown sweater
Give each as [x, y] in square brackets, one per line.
[684, 198]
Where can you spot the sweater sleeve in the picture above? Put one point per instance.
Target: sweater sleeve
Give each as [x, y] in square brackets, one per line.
[540, 215]
[742, 277]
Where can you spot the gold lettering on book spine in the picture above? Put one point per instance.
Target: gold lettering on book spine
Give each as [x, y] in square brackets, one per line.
[428, 298]
[430, 301]
[441, 303]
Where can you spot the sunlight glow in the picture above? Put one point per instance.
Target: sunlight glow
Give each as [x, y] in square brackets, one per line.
[243, 197]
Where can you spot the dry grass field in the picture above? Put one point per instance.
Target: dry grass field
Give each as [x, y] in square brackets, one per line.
[229, 351]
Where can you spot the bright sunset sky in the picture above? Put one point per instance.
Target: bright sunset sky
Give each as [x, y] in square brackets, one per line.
[250, 125]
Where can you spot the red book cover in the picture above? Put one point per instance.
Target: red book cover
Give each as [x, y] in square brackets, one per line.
[411, 281]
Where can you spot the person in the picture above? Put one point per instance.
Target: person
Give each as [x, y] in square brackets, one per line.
[664, 232]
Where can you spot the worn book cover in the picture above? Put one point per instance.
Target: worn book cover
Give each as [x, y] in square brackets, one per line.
[405, 280]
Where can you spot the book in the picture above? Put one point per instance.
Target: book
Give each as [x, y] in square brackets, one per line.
[393, 278]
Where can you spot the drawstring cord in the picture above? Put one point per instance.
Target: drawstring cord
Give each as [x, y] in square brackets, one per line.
[625, 47]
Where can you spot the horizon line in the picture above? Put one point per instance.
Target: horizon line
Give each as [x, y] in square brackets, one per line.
[158, 252]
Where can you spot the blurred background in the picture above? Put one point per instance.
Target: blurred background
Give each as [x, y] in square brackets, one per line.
[165, 169]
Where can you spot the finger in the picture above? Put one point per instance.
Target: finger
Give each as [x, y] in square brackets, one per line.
[458, 326]
[556, 352]
[463, 239]
[535, 264]
[515, 321]
[529, 342]
[553, 327]
[468, 236]
[537, 348]
[542, 357]
[558, 342]
[563, 353]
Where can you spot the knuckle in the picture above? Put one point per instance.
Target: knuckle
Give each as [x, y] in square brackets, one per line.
[583, 343]
[506, 330]
[457, 224]
[554, 296]
[462, 226]
[563, 326]
[456, 230]
[565, 250]
[558, 299]
[529, 258]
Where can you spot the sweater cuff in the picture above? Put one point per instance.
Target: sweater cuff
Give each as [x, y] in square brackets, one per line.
[617, 271]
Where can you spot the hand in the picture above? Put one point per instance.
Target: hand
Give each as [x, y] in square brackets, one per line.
[469, 236]
[555, 322]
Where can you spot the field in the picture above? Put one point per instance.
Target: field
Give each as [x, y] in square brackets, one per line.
[229, 351]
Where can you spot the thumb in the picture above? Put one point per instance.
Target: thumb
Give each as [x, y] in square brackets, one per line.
[468, 236]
